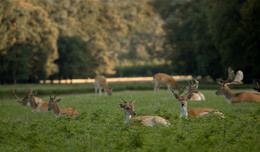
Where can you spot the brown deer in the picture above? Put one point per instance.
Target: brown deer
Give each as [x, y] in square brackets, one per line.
[36, 104]
[101, 83]
[166, 79]
[197, 95]
[235, 97]
[24, 101]
[197, 112]
[145, 120]
[53, 105]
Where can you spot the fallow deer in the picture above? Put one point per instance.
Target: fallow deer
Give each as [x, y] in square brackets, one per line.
[197, 112]
[145, 120]
[235, 97]
[53, 105]
[197, 96]
[101, 83]
[23, 101]
[166, 79]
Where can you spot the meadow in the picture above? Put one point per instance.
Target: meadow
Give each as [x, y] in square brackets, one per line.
[100, 123]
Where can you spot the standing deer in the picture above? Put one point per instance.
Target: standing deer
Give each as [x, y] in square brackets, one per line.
[197, 95]
[24, 101]
[198, 112]
[164, 78]
[53, 105]
[145, 120]
[235, 97]
[101, 82]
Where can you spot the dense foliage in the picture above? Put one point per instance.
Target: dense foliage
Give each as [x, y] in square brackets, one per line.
[207, 36]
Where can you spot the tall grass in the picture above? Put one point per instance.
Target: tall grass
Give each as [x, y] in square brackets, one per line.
[99, 125]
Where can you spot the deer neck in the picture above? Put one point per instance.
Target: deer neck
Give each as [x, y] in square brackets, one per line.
[33, 104]
[56, 109]
[127, 117]
[183, 111]
[228, 94]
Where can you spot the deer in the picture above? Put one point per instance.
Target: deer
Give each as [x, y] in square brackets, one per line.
[167, 79]
[101, 82]
[253, 97]
[23, 101]
[197, 96]
[197, 112]
[36, 103]
[145, 120]
[53, 105]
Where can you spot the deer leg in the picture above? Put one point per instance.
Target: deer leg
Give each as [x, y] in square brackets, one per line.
[156, 87]
[169, 87]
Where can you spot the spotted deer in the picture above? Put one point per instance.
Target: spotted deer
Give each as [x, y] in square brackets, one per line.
[24, 101]
[101, 83]
[145, 120]
[36, 104]
[160, 78]
[197, 96]
[53, 105]
[232, 97]
[197, 112]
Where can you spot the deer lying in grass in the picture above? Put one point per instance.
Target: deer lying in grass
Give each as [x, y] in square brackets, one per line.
[164, 78]
[101, 83]
[145, 120]
[197, 96]
[24, 101]
[36, 104]
[197, 112]
[53, 105]
[235, 97]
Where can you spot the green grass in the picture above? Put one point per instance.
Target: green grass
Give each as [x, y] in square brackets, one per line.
[100, 123]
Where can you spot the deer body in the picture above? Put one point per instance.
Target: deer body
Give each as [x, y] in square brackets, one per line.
[197, 112]
[166, 79]
[145, 120]
[235, 97]
[53, 105]
[198, 97]
[238, 97]
[101, 83]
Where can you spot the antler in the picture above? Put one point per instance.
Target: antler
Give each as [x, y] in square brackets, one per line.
[232, 78]
[193, 88]
[15, 94]
[123, 99]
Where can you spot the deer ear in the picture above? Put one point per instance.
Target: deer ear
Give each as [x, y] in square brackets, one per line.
[58, 100]
[121, 105]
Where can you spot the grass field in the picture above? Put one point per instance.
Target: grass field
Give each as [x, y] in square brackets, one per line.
[100, 123]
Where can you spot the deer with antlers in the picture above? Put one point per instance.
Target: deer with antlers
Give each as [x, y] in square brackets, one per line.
[101, 83]
[198, 112]
[166, 79]
[145, 120]
[235, 97]
[24, 101]
[197, 95]
[53, 105]
[36, 103]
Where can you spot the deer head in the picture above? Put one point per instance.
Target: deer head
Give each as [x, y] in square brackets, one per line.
[24, 101]
[53, 102]
[192, 88]
[128, 107]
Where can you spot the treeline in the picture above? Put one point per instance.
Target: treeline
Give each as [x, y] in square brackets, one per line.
[81, 38]
[74, 38]
[207, 36]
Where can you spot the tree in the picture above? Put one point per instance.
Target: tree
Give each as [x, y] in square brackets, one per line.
[74, 58]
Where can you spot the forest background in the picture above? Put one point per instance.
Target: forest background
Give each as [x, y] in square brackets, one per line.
[55, 39]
